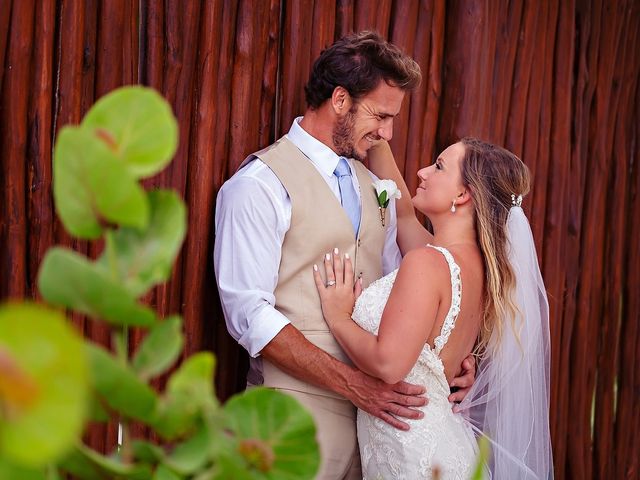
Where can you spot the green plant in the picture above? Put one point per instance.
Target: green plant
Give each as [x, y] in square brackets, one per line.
[52, 381]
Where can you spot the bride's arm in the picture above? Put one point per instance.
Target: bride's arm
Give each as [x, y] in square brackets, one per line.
[407, 320]
[411, 233]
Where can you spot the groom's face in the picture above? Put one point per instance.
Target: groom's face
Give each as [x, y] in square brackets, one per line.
[368, 119]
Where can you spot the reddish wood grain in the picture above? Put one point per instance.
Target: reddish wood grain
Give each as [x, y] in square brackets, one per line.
[13, 144]
[41, 216]
[5, 17]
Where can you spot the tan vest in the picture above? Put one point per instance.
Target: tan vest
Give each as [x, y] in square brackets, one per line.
[318, 225]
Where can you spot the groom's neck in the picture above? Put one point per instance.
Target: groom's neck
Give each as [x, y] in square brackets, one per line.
[319, 124]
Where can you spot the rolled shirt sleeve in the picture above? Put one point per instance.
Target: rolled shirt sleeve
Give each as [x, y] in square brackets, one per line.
[251, 221]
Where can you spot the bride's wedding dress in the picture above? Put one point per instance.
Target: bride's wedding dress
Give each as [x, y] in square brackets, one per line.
[441, 440]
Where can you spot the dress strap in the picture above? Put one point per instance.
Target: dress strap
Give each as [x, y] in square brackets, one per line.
[456, 296]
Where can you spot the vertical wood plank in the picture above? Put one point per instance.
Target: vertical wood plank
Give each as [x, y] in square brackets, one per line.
[403, 34]
[41, 216]
[5, 17]
[583, 341]
[13, 145]
[296, 61]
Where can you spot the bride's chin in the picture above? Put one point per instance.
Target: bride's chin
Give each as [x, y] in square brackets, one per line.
[419, 207]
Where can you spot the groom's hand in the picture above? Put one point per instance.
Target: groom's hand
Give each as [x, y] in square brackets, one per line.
[464, 381]
[387, 402]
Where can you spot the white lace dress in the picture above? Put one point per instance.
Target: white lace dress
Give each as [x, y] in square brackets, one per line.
[440, 440]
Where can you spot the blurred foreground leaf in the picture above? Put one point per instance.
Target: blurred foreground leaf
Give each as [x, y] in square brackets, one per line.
[138, 126]
[484, 449]
[68, 279]
[52, 390]
[189, 397]
[87, 464]
[274, 434]
[142, 258]
[119, 387]
[160, 348]
[91, 184]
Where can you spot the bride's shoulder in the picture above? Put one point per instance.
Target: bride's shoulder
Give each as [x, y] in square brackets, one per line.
[425, 262]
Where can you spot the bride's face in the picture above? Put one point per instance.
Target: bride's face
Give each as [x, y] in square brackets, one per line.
[441, 182]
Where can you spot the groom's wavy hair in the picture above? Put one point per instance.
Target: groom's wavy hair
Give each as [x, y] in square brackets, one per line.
[493, 174]
[358, 62]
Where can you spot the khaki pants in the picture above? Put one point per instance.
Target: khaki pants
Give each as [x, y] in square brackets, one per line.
[336, 433]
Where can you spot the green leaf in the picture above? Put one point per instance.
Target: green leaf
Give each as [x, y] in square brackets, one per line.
[90, 183]
[79, 466]
[382, 199]
[53, 473]
[44, 384]
[97, 412]
[86, 463]
[274, 434]
[147, 452]
[69, 280]
[160, 348]
[188, 457]
[176, 416]
[138, 125]
[189, 397]
[484, 450]
[143, 258]
[120, 388]
[195, 378]
[165, 473]
[12, 471]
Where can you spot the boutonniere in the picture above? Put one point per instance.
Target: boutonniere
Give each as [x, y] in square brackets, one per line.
[385, 191]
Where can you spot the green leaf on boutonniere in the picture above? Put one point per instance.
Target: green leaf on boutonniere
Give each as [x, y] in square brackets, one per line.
[383, 201]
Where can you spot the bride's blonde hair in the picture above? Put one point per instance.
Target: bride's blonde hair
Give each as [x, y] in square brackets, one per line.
[494, 176]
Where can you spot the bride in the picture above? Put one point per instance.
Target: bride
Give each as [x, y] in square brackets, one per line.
[474, 285]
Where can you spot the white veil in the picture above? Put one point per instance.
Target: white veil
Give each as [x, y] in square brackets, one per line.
[509, 401]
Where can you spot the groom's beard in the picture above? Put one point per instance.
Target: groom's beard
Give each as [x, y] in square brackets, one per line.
[342, 136]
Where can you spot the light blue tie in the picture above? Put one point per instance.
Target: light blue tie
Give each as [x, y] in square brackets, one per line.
[348, 195]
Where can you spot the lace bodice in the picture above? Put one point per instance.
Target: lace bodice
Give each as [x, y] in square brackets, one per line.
[441, 438]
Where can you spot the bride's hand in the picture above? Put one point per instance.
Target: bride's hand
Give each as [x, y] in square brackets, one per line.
[338, 295]
[380, 153]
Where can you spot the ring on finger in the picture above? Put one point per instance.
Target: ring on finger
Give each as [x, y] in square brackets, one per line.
[330, 283]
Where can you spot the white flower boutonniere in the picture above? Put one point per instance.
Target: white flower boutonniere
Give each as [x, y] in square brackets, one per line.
[385, 191]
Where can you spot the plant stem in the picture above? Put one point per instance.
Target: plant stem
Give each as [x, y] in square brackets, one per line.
[126, 450]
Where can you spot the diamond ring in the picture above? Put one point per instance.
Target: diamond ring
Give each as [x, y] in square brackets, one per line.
[330, 283]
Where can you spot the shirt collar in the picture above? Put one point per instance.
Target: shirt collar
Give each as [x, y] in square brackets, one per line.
[325, 159]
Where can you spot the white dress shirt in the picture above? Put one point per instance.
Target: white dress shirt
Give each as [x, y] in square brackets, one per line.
[253, 214]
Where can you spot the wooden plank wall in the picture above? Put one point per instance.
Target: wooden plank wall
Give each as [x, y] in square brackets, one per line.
[554, 81]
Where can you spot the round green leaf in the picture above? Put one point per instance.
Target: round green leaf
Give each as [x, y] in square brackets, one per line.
[90, 183]
[10, 471]
[165, 473]
[70, 280]
[147, 452]
[45, 369]
[195, 377]
[275, 434]
[189, 397]
[138, 125]
[160, 348]
[143, 258]
[119, 387]
[191, 455]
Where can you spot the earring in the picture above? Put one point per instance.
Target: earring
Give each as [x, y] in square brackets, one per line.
[453, 207]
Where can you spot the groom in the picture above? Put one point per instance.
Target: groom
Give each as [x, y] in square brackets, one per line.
[288, 205]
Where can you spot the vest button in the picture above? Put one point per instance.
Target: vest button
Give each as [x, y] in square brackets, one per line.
[359, 242]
